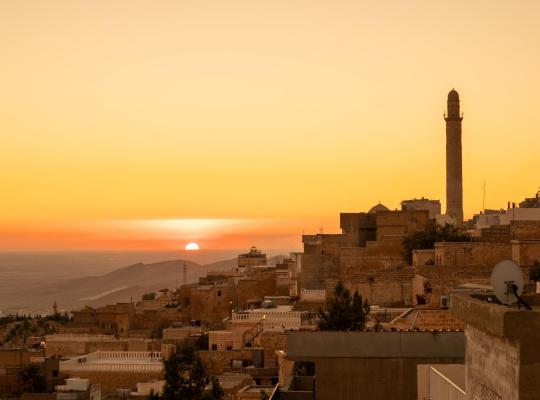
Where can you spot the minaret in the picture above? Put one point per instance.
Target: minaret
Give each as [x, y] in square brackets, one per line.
[454, 180]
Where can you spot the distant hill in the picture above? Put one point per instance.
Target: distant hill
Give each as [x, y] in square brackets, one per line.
[120, 285]
[117, 286]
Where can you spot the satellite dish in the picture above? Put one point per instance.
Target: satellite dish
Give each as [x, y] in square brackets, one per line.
[507, 281]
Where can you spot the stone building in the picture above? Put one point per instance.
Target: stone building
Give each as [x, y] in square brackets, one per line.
[451, 264]
[115, 369]
[367, 256]
[110, 319]
[215, 297]
[502, 352]
[432, 206]
[254, 258]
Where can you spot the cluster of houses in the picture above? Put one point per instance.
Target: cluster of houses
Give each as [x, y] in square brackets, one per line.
[430, 331]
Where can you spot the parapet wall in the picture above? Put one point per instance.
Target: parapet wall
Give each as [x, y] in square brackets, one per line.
[471, 253]
[503, 351]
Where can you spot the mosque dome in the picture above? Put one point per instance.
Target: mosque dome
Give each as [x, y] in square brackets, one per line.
[378, 207]
[453, 95]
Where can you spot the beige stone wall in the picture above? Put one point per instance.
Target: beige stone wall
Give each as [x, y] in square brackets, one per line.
[388, 246]
[118, 380]
[382, 287]
[471, 253]
[65, 349]
[271, 341]
[526, 253]
[496, 234]
[423, 257]
[216, 362]
[316, 268]
[258, 285]
[525, 230]
[492, 366]
[357, 228]
[390, 223]
[220, 340]
[354, 261]
[443, 279]
[211, 304]
[92, 347]
[177, 333]
[14, 358]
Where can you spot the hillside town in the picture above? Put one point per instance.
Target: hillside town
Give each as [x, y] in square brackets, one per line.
[398, 305]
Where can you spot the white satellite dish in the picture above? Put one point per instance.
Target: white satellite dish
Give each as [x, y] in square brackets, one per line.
[506, 280]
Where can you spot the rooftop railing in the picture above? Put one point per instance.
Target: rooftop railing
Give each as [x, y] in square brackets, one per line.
[111, 361]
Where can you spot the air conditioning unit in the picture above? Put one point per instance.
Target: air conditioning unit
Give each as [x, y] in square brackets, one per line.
[445, 302]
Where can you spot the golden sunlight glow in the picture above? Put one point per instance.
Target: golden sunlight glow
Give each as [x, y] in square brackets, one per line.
[180, 118]
[192, 246]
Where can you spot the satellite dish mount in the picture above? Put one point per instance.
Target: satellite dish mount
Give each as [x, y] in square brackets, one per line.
[507, 283]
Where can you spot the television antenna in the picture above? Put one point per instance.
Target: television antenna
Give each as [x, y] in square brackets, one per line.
[507, 283]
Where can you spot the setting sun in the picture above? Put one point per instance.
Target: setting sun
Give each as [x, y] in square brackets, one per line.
[192, 246]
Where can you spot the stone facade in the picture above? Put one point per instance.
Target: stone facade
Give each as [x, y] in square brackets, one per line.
[254, 258]
[367, 256]
[502, 355]
[216, 362]
[220, 340]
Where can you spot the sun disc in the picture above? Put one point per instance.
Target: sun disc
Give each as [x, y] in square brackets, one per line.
[192, 246]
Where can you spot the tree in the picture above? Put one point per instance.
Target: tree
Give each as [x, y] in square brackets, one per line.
[345, 313]
[216, 392]
[434, 233]
[149, 296]
[30, 379]
[154, 396]
[186, 377]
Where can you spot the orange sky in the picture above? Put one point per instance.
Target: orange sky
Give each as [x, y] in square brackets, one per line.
[286, 112]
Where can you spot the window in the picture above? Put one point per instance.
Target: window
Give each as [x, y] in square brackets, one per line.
[219, 293]
[214, 347]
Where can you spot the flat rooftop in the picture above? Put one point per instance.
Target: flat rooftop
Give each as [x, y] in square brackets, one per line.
[306, 345]
[126, 361]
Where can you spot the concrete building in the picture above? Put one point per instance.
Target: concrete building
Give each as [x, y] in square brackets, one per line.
[454, 179]
[372, 365]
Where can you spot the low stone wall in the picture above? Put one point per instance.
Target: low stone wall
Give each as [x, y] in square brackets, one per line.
[216, 362]
[119, 380]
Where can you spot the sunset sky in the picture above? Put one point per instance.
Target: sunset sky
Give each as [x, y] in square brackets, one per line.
[146, 124]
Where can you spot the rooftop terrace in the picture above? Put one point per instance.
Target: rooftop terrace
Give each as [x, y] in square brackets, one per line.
[124, 361]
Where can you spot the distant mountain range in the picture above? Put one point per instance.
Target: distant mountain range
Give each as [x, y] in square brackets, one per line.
[120, 285]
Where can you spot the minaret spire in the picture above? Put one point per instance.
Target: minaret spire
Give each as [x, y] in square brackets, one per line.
[454, 178]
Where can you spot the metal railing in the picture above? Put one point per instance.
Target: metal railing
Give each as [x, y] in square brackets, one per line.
[111, 361]
[442, 388]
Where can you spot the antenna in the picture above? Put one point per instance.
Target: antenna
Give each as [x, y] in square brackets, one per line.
[507, 283]
[484, 196]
